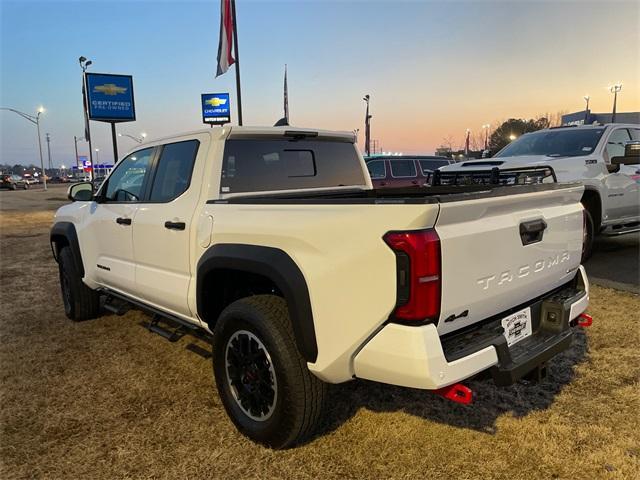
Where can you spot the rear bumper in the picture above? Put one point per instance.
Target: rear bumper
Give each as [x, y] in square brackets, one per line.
[418, 357]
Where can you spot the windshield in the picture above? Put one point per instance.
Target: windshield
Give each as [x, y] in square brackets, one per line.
[554, 143]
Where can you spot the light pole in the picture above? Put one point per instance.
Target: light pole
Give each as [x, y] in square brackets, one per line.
[586, 110]
[466, 144]
[139, 139]
[97, 158]
[35, 119]
[367, 127]
[486, 128]
[48, 139]
[615, 89]
[75, 141]
[84, 64]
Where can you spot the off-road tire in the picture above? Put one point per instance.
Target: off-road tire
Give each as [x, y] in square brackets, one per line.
[589, 236]
[80, 302]
[299, 396]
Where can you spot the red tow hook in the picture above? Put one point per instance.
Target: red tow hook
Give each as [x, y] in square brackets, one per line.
[456, 393]
[585, 320]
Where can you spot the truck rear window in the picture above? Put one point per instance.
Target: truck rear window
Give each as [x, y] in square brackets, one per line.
[260, 165]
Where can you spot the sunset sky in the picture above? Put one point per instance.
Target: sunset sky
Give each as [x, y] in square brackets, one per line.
[432, 69]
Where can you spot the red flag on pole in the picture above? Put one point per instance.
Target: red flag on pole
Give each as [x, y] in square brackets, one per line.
[225, 47]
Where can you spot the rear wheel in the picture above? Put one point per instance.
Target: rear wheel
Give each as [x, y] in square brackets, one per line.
[263, 381]
[80, 302]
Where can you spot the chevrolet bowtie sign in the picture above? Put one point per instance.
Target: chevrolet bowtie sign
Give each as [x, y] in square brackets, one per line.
[215, 108]
[110, 97]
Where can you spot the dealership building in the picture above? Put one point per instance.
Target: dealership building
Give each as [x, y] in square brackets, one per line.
[588, 117]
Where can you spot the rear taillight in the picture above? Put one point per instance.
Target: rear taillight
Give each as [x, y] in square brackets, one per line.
[418, 274]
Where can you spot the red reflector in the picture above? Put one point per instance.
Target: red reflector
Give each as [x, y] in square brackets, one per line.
[422, 247]
[456, 393]
[585, 320]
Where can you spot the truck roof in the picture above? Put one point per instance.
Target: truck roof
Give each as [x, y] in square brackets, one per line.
[590, 126]
[229, 131]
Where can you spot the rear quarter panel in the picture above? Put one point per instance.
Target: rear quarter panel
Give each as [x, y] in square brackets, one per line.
[349, 270]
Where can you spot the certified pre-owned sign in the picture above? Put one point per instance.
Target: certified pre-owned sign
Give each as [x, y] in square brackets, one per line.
[110, 97]
[215, 108]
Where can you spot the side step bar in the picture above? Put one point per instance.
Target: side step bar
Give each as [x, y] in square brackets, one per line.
[613, 230]
[177, 328]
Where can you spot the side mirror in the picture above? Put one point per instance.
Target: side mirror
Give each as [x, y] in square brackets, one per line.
[80, 192]
[631, 157]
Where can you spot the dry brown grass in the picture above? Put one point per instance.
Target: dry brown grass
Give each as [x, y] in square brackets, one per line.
[107, 399]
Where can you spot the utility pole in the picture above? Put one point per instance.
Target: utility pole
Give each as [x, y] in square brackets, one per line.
[367, 128]
[586, 110]
[48, 139]
[615, 89]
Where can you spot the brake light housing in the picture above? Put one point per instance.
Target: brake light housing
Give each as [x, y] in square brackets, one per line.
[419, 272]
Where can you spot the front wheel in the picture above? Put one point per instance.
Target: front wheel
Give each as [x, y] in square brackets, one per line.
[80, 302]
[588, 237]
[263, 381]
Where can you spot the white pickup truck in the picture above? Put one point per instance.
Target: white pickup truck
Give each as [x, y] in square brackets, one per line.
[273, 241]
[581, 154]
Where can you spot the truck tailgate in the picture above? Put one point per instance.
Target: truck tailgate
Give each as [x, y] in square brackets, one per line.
[499, 252]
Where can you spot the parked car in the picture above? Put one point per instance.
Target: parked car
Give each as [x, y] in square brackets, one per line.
[273, 241]
[581, 154]
[403, 171]
[30, 179]
[59, 179]
[13, 182]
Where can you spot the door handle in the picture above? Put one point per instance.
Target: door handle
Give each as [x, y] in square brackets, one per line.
[123, 221]
[175, 225]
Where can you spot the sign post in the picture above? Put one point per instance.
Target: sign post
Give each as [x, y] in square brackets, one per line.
[111, 100]
[216, 108]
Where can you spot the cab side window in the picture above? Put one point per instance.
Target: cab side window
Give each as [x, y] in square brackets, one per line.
[616, 142]
[173, 172]
[377, 169]
[126, 182]
[403, 168]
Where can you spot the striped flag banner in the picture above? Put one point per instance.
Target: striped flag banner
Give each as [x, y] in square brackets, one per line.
[225, 47]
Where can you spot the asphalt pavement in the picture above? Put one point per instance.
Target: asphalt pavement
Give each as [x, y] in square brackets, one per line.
[615, 261]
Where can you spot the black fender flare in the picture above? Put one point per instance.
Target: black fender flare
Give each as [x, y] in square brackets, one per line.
[277, 266]
[65, 232]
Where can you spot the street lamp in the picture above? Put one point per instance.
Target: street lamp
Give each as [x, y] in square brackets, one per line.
[139, 139]
[586, 109]
[615, 89]
[35, 119]
[512, 137]
[97, 157]
[84, 64]
[367, 127]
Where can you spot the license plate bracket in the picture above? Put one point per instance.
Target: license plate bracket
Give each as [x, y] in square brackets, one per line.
[517, 326]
